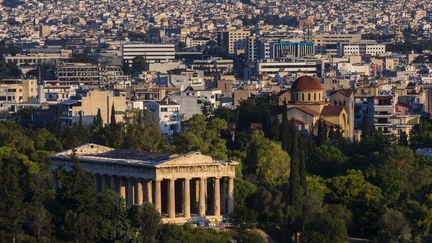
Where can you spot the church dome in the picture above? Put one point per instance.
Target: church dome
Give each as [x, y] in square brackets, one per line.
[306, 83]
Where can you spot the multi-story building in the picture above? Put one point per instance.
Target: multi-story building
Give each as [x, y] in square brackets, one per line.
[89, 74]
[391, 117]
[55, 92]
[193, 101]
[168, 113]
[362, 49]
[18, 91]
[150, 52]
[88, 105]
[234, 41]
[214, 65]
[39, 58]
[287, 49]
[289, 67]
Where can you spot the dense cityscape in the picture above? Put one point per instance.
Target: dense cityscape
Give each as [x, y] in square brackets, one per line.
[215, 121]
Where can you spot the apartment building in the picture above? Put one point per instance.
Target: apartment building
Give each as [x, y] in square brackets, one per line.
[150, 52]
[362, 49]
[214, 65]
[18, 91]
[55, 91]
[168, 113]
[391, 117]
[234, 41]
[89, 104]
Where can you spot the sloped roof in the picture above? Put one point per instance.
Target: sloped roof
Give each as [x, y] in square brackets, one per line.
[331, 110]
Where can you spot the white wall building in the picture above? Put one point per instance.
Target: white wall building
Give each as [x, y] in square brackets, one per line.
[168, 113]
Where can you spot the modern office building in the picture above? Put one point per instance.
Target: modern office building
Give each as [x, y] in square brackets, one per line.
[287, 49]
[289, 67]
[150, 52]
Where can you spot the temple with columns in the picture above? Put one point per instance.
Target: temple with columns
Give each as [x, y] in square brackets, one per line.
[182, 188]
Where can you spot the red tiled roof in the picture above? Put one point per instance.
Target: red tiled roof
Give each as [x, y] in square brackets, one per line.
[330, 110]
[306, 83]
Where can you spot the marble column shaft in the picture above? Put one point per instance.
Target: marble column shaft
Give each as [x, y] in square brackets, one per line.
[230, 195]
[158, 203]
[186, 201]
[202, 199]
[217, 204]
[171, 199]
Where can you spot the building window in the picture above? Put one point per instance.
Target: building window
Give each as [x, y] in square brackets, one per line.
[314, 96]
[164, 109]
[309, 97]
[302, 97]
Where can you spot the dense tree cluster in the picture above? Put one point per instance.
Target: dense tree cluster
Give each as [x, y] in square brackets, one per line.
[293, 185]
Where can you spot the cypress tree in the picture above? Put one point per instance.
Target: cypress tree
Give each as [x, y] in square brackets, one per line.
[113, 119]
[285, 129]
[365, 132]
[322, 132]
[295, 177]
[99, 121]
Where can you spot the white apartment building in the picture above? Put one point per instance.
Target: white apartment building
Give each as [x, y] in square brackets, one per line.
[55, 92]
[391, 117]
[150, 52]
[363, 49]
[168, 113]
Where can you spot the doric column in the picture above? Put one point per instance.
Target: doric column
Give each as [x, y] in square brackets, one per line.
[158, 203]
[223, 197]
[122, 187]
[149, 192]
[171, 199]
[197, 195]
[231, 195]
[140, 193]
[217, 203]
[186, 201]
[112, 183]
[130, 193]
[103, 182]
[202, 202]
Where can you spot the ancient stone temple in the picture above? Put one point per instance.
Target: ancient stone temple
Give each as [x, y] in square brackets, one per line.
[182, 188]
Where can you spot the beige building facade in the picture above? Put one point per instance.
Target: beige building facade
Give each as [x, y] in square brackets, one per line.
[183, 188]
[18, 90]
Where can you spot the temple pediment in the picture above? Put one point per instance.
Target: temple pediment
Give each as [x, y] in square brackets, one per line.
[191, 158]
